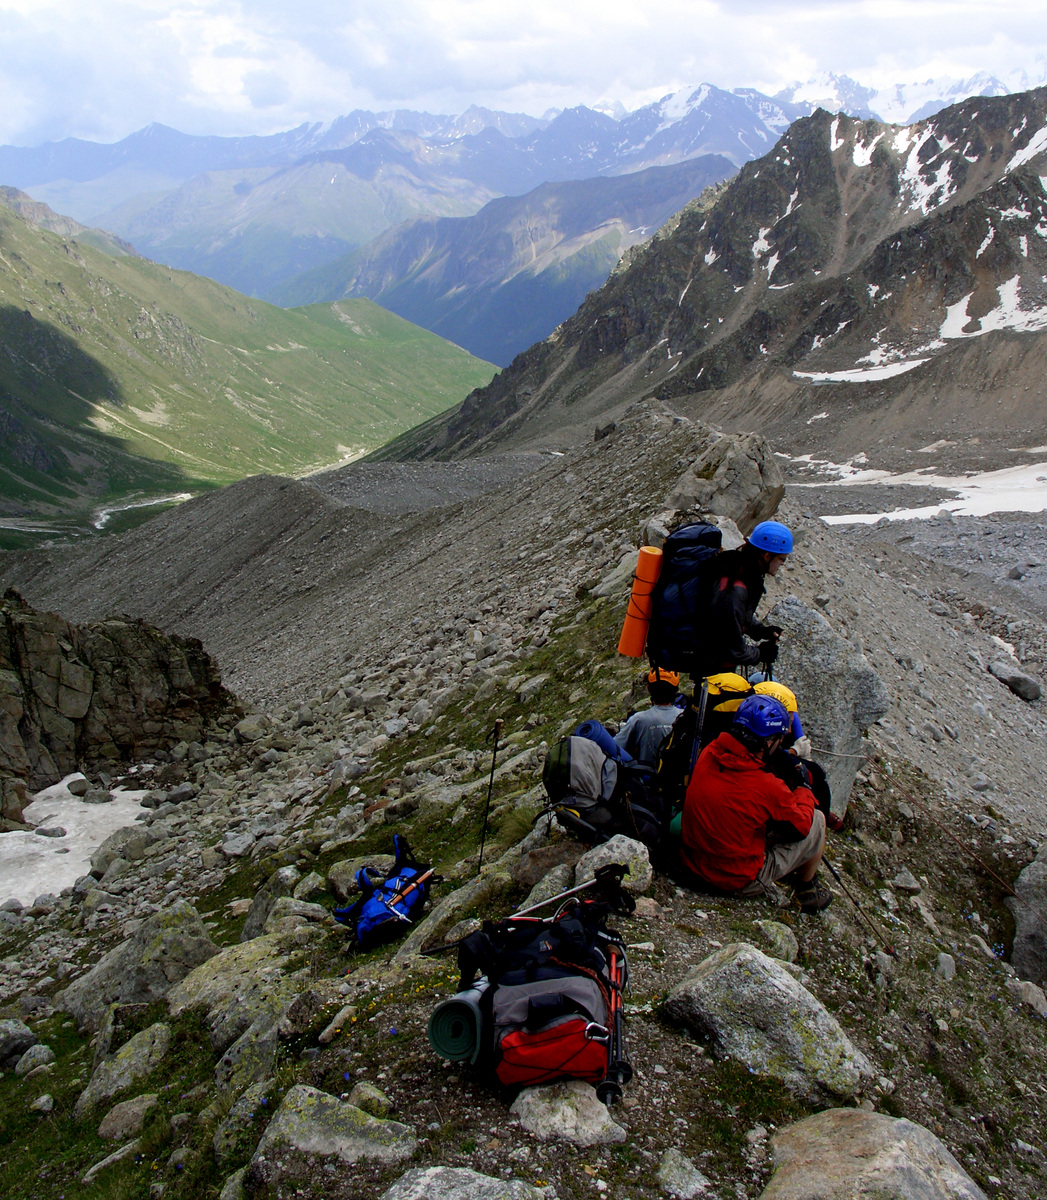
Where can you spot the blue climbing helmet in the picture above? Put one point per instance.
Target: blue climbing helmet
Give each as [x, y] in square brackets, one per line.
[772, 536]
[763, 716]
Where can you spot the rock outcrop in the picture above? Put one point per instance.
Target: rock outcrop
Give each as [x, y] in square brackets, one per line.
[108, 692]
[1029, 956]
[735, 477]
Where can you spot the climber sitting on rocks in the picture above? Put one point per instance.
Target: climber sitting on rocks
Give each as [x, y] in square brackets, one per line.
[643, 733]
[744, 828]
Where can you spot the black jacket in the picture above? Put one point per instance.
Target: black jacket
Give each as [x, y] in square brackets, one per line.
[737, 589]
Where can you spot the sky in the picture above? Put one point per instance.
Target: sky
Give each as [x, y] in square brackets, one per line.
[102, 68]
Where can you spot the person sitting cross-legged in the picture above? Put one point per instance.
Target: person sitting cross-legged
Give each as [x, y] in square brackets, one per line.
[743, 828]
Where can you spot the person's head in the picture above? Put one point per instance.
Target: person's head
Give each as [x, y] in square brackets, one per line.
[779, 691]
[773, 543]
[662, 685]
[760, 724]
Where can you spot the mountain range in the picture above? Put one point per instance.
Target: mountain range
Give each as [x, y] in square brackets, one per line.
[860, 285]
[498, 281]
[122, 381]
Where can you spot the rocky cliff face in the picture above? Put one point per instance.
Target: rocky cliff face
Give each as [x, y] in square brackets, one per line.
[89, 696]
[852, 254]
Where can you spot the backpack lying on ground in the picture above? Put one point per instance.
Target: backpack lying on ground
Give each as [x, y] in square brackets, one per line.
[681, 598]
[594, 797]
[387, 906]
[547, 1005]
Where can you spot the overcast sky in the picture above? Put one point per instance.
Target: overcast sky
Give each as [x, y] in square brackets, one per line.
[102, 68]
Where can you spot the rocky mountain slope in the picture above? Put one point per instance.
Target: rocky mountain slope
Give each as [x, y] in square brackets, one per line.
[497, 282]
[376, 673]
[122, 381]
[861, 284]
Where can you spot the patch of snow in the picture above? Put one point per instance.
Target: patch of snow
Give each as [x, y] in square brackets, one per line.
[861, 375]
[710, 257]
[1008, 314]
[791, 205]
[31, 865]
[834, 142]
[987, 242]
[683, 293]
[1011, 489]
[863, 154]
[923, 195]
[772, 262]
[1023, 244]
[1035, 145]
[817, 417]
[762, 245]
[873, 289]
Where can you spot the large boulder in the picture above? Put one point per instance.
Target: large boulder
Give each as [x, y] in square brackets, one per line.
[1029, 956]
[239, 986]
[144, 968]
[341, 877]
[314, 1135]
[244, 1123]
[134, 1062]
[735, 476]
[760, 1015]
[838, 692]
[458, 1183]
[850, 1154]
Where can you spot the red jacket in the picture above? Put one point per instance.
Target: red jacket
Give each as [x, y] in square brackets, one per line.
[730, 801]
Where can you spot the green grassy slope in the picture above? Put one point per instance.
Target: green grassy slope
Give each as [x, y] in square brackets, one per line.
[119, 376]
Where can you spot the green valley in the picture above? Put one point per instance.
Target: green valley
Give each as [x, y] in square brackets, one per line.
[122, 380]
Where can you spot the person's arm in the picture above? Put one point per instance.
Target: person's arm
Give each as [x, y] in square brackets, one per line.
[729, 610]
[791, 811]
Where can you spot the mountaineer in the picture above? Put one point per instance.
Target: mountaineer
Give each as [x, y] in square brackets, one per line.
[737, 589]
[744, 828]
[643, 733]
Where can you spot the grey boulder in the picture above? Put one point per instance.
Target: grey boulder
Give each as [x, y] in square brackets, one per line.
[127, 1119]
[15, 1039]
[281, 883]
[159, 955]
[679, 1177]
[619, 849]
[458, 1183]
[245, 1122]
[1029, 956]
[735, 476]
[341, 877]
[134, 1062]
[760, 1015]
[36, 1056]
[838, 692]
[314, 1134]
[568, 1112]
[847, 1153]
[1013, 677]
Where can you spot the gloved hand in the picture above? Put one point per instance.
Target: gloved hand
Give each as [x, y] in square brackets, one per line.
[774, 631]
[769, 651]
[802, 747]
[834, 822]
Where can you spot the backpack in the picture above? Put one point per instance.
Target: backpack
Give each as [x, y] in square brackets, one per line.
[593, 797]
[386, 907]
[552, 1005]
[681, 597]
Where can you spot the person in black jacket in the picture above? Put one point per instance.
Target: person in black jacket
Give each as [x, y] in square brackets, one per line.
[735, 637]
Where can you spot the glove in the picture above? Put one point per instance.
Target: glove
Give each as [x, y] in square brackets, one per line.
[774, 631]
[802, 747]
[834, 822]
[769, 651]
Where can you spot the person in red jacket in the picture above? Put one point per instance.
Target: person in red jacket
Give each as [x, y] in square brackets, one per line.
[743, 828]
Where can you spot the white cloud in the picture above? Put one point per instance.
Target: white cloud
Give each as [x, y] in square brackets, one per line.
[251, 66]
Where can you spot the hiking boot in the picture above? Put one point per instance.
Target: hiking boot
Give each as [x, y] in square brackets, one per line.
[813, 896]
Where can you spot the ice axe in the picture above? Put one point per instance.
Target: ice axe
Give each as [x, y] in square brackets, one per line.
[495, 733]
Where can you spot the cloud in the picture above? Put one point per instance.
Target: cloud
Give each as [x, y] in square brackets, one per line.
[254, 66]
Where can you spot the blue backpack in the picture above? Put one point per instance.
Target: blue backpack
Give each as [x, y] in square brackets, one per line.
[387, 907]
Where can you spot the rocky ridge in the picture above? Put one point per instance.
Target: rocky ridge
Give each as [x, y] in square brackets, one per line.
[256, 1013]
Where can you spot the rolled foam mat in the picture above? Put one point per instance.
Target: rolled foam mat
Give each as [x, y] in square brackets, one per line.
[456, 1026]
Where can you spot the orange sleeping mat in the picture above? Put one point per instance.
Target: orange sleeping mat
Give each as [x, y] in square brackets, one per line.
[638, 613]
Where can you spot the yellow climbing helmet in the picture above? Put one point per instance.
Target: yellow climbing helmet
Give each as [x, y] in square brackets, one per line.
[727, 690]
[661, 675]
[779, 692]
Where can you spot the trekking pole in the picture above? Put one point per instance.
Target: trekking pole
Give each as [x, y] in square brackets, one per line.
[703, 703]
[495, 733]
[619, 1069]
[876, 932]
[610, 876]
